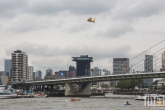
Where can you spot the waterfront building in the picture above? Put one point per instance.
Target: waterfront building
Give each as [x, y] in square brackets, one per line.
[3, 80]
[2, 73]
[96, 72]
[7, 66]
[163, 59]
[52, 77]
[19, 66]
[62, 73]
[49, 71]
[120, 66]
[30, 73]
[148, 67]
[72, 71]
[38, 75]
[34, 75]
[82, 65]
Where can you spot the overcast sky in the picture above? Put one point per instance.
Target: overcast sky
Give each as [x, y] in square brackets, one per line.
[53, 31]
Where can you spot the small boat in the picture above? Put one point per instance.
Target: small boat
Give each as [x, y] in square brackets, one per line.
[141, 97]
[127, 104]
[6, 94]
[40, 96]
[73, 99]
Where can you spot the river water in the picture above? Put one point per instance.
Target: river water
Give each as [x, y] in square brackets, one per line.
[63, 103]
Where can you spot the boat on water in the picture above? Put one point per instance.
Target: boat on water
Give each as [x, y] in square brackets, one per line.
[40, 96]
[74, 99]
[148, 96]
[6, 94]
[127, 104]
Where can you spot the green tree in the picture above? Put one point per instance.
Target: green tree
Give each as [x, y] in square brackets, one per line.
[127, 84]
[104, 86]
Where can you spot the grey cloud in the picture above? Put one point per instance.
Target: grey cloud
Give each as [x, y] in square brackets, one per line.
[139, 8]
[99, 52]
[74, 6]
[116, 30]
[57, 58]
[34, 49]
[10, 8]
[72, 50]
[78, 27]
[30, 23]
[54, 63]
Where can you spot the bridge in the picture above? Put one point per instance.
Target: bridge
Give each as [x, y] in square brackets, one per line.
[85, 91]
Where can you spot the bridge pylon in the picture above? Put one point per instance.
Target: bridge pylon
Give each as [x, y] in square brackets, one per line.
[70, 90]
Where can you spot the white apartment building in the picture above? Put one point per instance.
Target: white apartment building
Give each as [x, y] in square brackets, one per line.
[19, 66]
[30, 73]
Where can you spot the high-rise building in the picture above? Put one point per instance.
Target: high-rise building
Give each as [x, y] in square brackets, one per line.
[83, 65]
[38, 75]
[120, 66]
[7, 69]
[2, 73]
[148, 63]
[72, 71]
[34, 76]
[96, 71]
[49, 71]
[19, 66]
[30, 73]
[148, 67]
[163, 60]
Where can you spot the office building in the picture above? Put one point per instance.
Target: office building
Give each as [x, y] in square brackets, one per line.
[19, 66]
[83, 65]
[30, 73]
[2, 73]
[38, 75]
[96, 72]
[72, 71]
[120, 66]
[49, 71]
[34, 75]
[163, 59]
[7, 66]
[148, 67]
[3, 80]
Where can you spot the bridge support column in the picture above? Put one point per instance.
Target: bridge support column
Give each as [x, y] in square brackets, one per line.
[72, 92]
[30, 87]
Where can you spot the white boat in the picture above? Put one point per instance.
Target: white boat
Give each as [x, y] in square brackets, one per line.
[5, 94]
[149, 96]
[141, 97]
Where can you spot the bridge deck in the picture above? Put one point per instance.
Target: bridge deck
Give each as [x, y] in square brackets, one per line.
[96, 78]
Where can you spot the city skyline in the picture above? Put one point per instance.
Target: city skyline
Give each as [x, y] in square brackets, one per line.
[52, 32]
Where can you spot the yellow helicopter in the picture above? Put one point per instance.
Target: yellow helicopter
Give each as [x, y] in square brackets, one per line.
[91, 20]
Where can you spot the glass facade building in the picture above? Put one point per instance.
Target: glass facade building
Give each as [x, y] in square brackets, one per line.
[148, 67]
[120, 65]
[49, 71]
[83, 65]
[7, 69]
